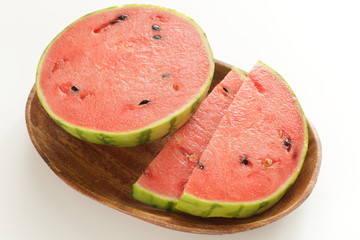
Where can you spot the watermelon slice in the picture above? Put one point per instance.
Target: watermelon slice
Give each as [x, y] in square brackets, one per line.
[125, 76]
[255, 154]
[162, 183]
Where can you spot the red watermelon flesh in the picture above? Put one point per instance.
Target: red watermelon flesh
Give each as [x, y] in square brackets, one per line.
[123, 69]
[163, 181]
[254, 155]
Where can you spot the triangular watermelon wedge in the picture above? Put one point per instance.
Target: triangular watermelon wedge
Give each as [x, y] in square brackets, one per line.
[255, 154]
[162, 183]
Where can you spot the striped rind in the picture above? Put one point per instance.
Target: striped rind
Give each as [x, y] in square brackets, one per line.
[152, 199]
[204, 208]
[150, 133]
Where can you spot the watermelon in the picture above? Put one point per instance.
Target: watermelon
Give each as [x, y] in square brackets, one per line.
[125, 76]
[254, 155]
[162, 183]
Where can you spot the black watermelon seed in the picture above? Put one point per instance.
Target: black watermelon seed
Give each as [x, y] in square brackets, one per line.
[225, 90]
[156, 27]
[157, 37]
[244, 161]
[201, 165]
[287, 143]
[74, 89]
[165, 75]
[115, 21]
[123, 17]
[144, 102]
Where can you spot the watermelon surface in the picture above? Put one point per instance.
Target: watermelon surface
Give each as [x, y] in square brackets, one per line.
[162, 183]
[254, 155]
[125, 76]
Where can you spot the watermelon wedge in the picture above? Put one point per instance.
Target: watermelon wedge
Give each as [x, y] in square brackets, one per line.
[125, 76]
[162, 183]
[254, 155]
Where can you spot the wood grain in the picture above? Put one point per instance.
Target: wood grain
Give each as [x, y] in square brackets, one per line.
[106, 173]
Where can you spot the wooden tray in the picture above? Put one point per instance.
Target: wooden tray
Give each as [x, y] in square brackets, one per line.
[106, 173]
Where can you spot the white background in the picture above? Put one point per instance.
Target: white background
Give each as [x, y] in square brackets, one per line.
[313, 44]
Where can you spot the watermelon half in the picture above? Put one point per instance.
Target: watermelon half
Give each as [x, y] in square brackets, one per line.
[254, 155]
[125, 76]
[162, 183]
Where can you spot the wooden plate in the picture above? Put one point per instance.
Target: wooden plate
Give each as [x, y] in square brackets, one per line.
[106, 173]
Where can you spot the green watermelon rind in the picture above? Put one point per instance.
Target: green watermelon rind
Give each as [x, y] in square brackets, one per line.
[205, 208]
[152, 199]
[150, 133]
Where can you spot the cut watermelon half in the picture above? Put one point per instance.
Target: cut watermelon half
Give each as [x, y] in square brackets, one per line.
[162, 183]
[255, 154]
[125, 76]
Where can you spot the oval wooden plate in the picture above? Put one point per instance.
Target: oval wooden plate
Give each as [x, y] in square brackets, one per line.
[106, 173]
